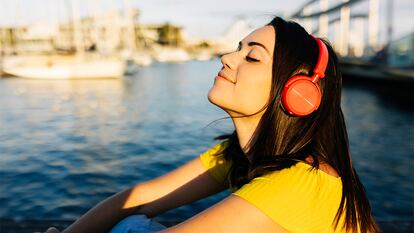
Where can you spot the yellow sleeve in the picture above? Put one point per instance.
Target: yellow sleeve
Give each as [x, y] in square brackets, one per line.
[213, 160]
[295, 198]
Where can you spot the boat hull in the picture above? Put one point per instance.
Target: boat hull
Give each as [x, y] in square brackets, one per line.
[66, 69]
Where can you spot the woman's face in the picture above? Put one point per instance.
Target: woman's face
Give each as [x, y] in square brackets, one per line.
[243, 84]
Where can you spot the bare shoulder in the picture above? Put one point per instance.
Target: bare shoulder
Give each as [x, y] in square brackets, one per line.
[233, 214]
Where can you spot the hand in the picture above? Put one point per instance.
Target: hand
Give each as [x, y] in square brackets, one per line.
[52, 230]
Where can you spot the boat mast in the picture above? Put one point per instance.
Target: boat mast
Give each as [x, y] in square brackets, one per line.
[76, 23]
[390, 9]
[130, 26]
[95, 27]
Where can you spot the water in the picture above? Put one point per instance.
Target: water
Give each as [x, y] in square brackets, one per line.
[66, 145]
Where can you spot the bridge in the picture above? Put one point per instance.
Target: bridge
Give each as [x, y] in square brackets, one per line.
[345, 25]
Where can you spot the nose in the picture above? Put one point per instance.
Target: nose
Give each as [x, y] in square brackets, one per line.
[228, 61]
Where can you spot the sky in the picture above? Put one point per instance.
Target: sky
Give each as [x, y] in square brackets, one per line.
[200, 19]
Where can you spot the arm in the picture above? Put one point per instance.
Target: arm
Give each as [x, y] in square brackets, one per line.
[184, 185]
[105, 214]
[233, 214]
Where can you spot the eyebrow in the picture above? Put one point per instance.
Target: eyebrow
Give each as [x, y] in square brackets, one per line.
[253, 43]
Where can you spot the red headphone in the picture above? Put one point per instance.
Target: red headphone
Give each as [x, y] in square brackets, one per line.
[301, 95]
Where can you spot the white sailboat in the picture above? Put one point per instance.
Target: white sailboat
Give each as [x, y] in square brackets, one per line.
[78, 66]
[138, 56]
[142, 58]
[171, 54]
[63, 68]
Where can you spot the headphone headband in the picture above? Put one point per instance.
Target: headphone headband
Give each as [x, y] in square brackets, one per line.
[319, 70]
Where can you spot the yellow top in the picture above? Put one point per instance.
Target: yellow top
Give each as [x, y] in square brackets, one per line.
[296, 198]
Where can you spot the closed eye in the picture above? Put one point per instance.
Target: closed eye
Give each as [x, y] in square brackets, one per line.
[250, 59]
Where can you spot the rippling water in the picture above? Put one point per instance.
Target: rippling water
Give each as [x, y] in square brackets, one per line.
[66, 145]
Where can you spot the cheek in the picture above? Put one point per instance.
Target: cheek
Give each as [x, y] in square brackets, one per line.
[254, 91]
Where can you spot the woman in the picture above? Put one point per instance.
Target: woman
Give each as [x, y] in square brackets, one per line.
[287, 163]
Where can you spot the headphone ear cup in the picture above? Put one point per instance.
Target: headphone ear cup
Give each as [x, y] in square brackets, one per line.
[300, 96]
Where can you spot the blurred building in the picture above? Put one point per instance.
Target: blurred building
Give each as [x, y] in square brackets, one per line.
[9, 39]
[107, 32]
[163, 34]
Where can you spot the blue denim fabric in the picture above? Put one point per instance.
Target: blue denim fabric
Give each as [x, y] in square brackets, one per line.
[137, 224]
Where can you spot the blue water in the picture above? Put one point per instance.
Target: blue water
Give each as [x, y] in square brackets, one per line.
[66, 145]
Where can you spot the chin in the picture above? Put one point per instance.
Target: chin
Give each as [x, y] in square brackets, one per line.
[214, 98]
[218, 98]
[211, 96]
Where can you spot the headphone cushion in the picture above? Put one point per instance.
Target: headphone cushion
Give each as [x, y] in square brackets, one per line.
[301, 96]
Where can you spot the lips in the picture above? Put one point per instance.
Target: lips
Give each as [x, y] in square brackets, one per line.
[225, 76]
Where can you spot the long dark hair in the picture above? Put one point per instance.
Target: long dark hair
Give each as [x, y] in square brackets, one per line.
[281, 140]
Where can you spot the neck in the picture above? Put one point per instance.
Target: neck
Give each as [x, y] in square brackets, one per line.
[245, 127]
